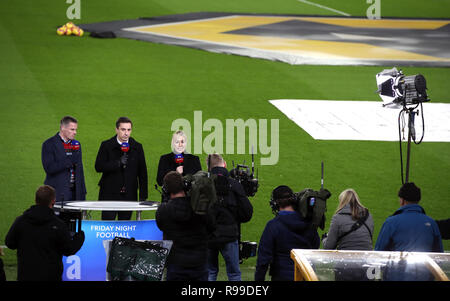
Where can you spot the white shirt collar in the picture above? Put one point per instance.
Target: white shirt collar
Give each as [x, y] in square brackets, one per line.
[65, 141]
[120, 143]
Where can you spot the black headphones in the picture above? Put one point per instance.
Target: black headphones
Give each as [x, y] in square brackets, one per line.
[274, 201]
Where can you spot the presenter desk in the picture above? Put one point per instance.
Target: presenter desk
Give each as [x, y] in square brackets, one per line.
[85, 206]
[90, 262]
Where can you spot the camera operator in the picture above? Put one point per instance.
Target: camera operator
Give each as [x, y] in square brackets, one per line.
[287, 231]
[188, 231]
[41, 240]
[232, 209]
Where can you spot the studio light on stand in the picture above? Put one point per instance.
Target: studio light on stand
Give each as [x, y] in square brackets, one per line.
[408, 93]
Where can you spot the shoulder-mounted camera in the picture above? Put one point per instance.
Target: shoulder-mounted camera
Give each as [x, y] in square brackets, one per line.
[242, 174]
[312, 205]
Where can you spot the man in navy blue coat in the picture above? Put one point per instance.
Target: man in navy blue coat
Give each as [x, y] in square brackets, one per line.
[62, 162]
[287, 231]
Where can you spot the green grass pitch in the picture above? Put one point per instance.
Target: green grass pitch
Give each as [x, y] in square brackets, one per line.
[44, 77]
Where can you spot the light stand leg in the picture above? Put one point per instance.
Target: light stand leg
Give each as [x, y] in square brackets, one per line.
[410, 132]
[408, 157]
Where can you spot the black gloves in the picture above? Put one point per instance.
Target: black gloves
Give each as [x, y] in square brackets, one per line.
[123, 160]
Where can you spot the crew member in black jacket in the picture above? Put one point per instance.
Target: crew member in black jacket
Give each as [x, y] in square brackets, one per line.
[41, 240]
[189, 232]
[444, 228]
[232, 209]
[177, 160]
[124, 171]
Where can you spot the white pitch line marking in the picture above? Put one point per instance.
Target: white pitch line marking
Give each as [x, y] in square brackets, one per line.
[325, 7]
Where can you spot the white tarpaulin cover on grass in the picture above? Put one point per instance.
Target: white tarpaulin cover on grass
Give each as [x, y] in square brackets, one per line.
[363, 120]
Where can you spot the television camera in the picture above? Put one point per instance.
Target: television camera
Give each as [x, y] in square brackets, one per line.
[72, 218]
[247, 179]
[311, 204]
[249, 182]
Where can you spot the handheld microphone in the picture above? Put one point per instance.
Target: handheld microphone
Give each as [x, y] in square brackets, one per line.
[74, 148]
[75, 145]
[125, 147]
[179, 159]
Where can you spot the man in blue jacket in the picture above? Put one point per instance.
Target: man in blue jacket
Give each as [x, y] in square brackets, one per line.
[62, 162]
[409, 229]
[287, 231]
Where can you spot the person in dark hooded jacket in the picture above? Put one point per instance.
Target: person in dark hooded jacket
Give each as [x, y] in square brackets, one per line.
[41, 240]
[287, 231]
[189, 232]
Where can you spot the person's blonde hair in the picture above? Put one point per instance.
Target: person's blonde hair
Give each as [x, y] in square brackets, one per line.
[349, 196]
[174, 138]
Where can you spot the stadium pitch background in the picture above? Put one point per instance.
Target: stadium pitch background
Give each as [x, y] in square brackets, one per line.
[45, 76]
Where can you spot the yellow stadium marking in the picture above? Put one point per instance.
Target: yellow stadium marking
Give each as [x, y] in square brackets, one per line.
[382, 23]
[212, 31]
